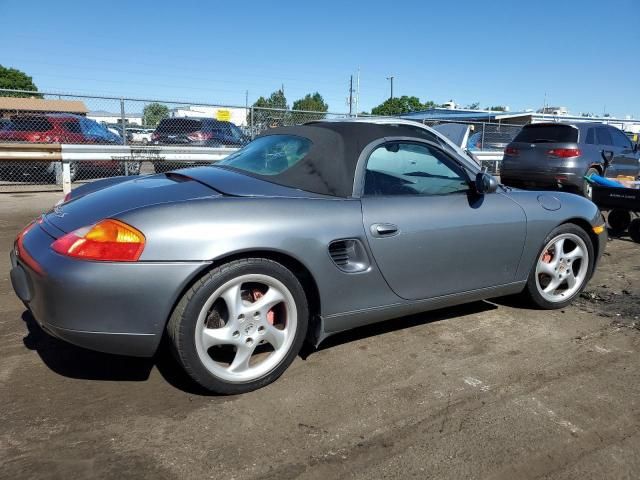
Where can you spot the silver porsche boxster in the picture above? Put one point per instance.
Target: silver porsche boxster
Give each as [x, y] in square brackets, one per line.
[307, 231]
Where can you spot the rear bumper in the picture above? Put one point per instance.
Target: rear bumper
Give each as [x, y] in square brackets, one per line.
[561, 178]
[118, 308]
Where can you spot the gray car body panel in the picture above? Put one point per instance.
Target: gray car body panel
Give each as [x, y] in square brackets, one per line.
[456, 250]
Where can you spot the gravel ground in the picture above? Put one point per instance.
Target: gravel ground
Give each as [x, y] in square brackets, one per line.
[486, 390]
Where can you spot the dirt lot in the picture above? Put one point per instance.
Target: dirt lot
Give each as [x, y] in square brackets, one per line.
[487, 390]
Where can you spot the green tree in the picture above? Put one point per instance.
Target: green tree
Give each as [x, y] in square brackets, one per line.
[400, 105]
[497, 108]
[311, 103]
[14, 79]
[269, 112]
[153, 113]
[474, 106]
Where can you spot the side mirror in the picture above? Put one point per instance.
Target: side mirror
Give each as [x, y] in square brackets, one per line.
[486, 183]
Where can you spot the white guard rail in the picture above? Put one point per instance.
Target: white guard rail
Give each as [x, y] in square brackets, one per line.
[53, 152]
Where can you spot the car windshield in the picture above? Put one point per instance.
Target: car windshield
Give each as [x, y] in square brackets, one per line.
[547, 134]
[269, 155]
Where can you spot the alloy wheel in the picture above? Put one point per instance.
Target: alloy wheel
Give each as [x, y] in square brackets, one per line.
[246, 328]
[562, 268]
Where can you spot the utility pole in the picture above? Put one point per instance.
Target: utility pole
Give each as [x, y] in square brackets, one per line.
[391, 80]
[358, 92]
[351, 95]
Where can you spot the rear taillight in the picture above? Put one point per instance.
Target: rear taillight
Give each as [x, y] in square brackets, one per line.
[22, 252]
[511, 151]
[109, 241]
[200, 136]
[564, 152]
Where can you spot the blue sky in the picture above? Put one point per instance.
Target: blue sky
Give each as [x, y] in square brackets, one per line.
[582, 53]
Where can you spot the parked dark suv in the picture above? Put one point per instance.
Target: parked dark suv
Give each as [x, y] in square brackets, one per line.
[205, 132]
[559, 155]
[190, 131]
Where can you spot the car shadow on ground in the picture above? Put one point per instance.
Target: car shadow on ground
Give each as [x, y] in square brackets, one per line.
[75, 362]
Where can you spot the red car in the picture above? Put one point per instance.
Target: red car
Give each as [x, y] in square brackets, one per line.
[57, 128]
[61, 128]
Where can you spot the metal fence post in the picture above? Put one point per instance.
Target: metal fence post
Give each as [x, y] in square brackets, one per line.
[482, 141]
[123, 120]
[251, 123]
[124, 134]
[66, 177]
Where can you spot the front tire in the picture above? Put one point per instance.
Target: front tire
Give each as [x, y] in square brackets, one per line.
[240, 326]
[562, 268]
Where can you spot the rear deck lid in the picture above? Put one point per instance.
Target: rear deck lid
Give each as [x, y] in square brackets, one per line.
[128, 195]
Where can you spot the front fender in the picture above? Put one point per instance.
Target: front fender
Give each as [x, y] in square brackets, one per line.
[541, 221]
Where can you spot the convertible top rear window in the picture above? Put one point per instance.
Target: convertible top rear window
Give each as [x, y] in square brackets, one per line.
[269, 155]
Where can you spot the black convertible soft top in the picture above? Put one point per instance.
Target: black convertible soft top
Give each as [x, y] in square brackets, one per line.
[329, 166]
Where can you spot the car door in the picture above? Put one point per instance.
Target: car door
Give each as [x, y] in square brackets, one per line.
[429, 233]
[625, 158]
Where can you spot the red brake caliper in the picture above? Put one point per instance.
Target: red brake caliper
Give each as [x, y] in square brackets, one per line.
[257, 294]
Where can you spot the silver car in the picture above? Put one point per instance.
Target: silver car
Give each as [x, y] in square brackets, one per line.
[307, 231]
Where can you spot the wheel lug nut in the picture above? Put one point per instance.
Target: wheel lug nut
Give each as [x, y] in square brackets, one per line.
[236, 334]
[249, 341]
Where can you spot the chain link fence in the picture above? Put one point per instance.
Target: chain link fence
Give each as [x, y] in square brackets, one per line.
[486, 140]
[131, 136]
[484, 136]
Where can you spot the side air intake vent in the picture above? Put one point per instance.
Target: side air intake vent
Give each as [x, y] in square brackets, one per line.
[349, 255]
[339, 252]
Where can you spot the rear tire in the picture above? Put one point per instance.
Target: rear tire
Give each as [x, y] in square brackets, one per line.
[587, 188]
[240, 325]
[562, 268]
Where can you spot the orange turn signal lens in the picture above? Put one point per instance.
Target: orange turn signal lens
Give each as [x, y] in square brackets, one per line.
[598, 230]
[109, 241]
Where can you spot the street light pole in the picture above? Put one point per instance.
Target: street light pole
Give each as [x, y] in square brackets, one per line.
[391, 80]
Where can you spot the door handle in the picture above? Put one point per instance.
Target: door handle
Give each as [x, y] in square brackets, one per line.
[384, 229]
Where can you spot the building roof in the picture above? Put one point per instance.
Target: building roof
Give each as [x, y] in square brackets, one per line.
[104, 113]
[460, 114]
[491, 116]
[40, 105]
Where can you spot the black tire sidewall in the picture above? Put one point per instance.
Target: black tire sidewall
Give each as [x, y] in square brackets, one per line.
[532, 289]
[182, 327]
[585, 184]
